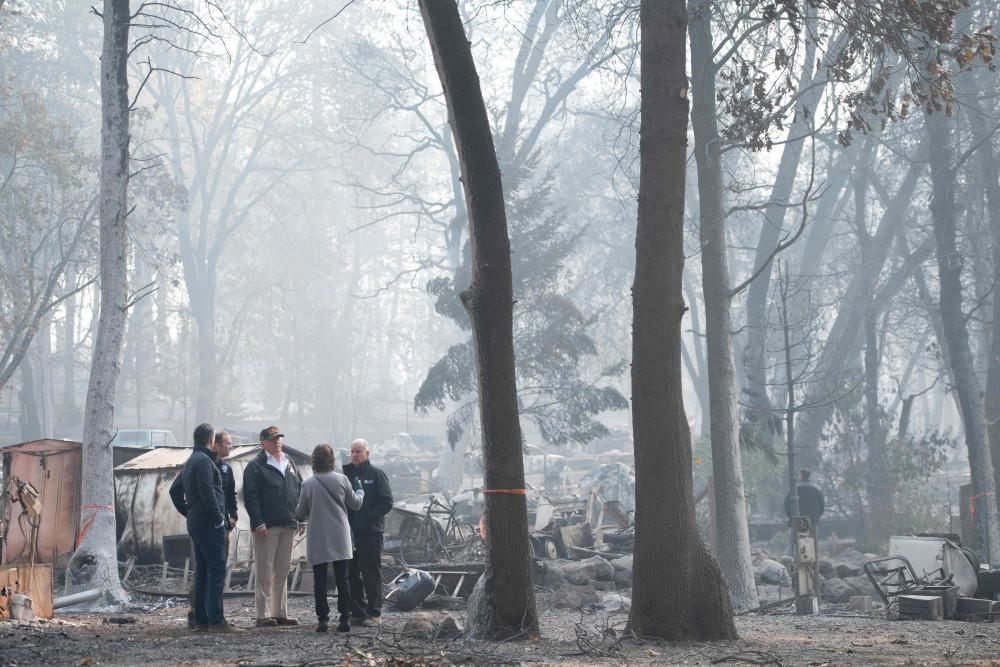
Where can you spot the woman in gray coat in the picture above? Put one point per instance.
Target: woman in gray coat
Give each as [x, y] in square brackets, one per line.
[323, 502]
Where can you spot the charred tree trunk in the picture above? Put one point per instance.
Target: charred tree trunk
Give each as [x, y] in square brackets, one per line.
[990, 176]
[693, 602]
[940, 136]
[503, 605]
[94, 564]
[732, 536]
[27, 399]
[880, 484]
[68, 417]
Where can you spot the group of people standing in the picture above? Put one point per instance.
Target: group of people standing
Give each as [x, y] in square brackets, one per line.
[344, 513]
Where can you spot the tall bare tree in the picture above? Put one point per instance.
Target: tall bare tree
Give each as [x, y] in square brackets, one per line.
[940, 135]
[732, 533]
[693, 602]
[94, 564]
[504, 602]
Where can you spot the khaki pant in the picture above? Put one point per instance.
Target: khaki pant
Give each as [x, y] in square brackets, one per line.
[272, 557]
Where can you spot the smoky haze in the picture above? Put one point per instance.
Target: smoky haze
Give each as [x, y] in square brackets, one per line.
[298, 243]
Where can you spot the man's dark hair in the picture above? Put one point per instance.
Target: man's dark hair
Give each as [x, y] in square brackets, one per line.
[203, 434]
[219, 435]
[322, 458]
[805, 474]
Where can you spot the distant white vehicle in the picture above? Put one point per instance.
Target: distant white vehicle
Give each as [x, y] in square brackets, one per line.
[145, 438]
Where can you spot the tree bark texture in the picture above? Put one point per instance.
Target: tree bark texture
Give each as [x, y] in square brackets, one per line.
[94, 564]
[990, 175]
[880, 482]
[690, 602]
[504, 602]
[732, 536]
[940, 137]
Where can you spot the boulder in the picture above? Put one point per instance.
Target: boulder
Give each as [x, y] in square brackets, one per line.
[861, 586]
[623, 564]
[443, 603]
[582, 572]
[826, 569]
[616, 603]
[837, 590]
[773, 572]
[850, 558]
[420, 626]
[572, 597]
[623, 578]
[623, 571]
[449, 628]
[845, 570]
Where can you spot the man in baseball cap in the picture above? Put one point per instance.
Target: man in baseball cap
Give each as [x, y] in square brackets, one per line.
[271, 486]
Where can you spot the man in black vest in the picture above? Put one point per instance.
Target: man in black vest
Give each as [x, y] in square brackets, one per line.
[271, 486]
[367, 525]
[197, 494]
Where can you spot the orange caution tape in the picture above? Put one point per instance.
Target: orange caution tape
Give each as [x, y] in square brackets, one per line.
[512, 492]
[90, 519]
[972, 504]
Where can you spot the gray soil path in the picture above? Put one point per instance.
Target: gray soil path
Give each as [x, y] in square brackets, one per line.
[157, 635]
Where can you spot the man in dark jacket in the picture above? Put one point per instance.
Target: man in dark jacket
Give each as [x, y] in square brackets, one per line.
[271, 486]
[220, 449]
[197, 494]
[367, 525]
[811, 502]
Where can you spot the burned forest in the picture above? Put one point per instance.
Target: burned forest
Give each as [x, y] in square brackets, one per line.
[464, 332]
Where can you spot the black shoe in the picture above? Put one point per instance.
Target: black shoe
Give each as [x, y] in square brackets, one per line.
[358, 619]
[345, 624]
[322, 626]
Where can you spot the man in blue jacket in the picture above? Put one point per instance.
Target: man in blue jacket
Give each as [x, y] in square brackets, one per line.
[197, 494]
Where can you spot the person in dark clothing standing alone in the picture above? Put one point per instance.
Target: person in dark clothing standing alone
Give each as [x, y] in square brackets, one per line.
[811, 502]
[198, 495]
[367, 524]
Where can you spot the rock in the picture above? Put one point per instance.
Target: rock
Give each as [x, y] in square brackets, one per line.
[574, 598]
[787, 561]
[837, 590]
[582, 572]
[773, 572]
[603, 585]
[443, 603]
[851, 558]
[546, 573]
[623, 578]
[420, 625]
[449, 628]
[845, 570]
[826, 569]
[616, 603]
[861, 586]
[623, 564]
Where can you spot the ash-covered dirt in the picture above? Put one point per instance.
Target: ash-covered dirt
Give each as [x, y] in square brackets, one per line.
[155, 633]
